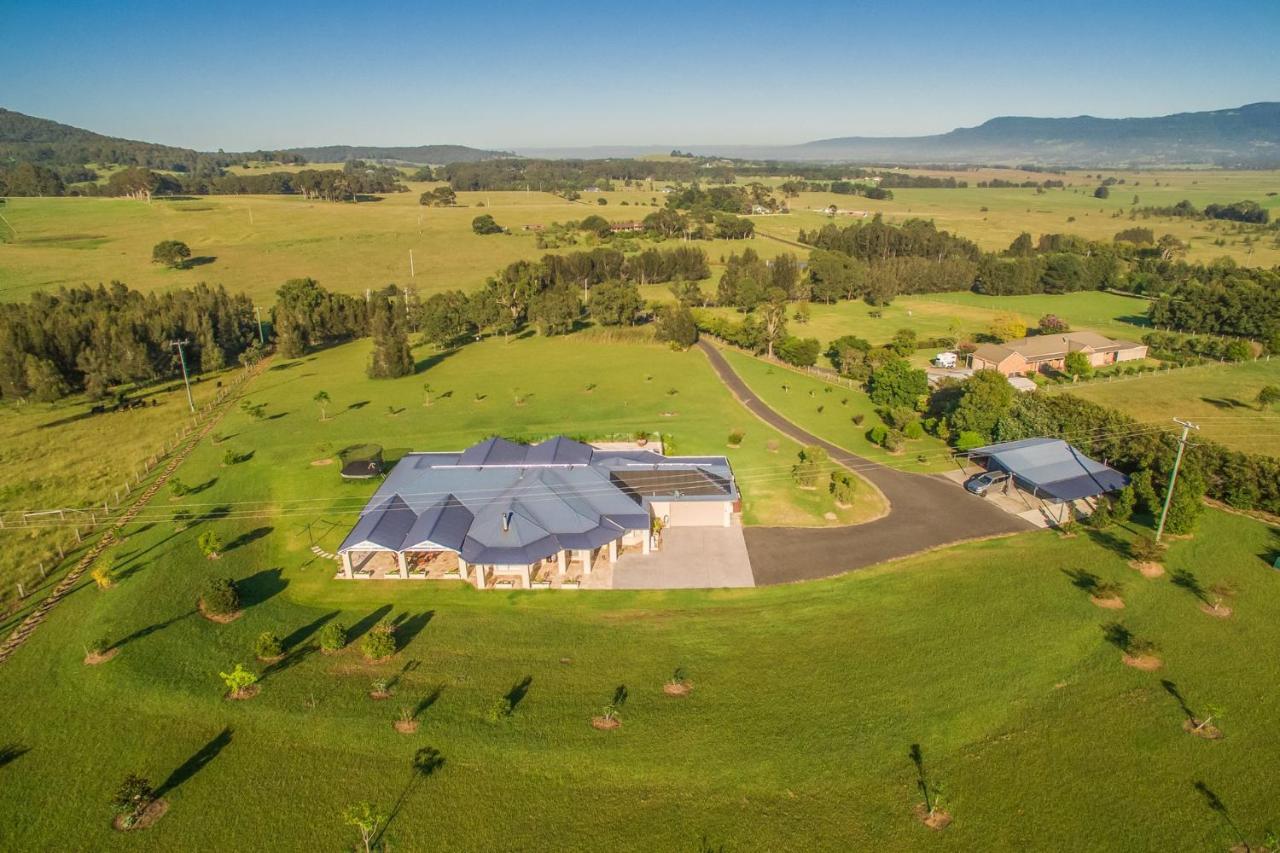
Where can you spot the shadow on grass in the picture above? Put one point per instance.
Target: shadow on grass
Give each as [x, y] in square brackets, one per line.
[1109, 540]
[205, 486]
[143, 633]
[425, 763]
[409, 627]
[11, 752]
[1082, 579]
[248, 538]
[302, 634]
[357, 405]
[1215, 804]
[285, 365]
[425, 703]
[1118, 636]
[260, 586]
[197, 762]
[1172, 690]
[409, 666]
[518, 691]
[198, 261]
[362, 627]
[1184, 579]
[291, 659]
[434, 359]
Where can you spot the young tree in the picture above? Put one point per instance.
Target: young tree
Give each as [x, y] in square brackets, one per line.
[808, 470]
[773, 319]
[210, 544]
[1076, 365]
[388, 324]
[1268, 397]
[171, 253]
[485, 224]
[322, 400]
[131, 798]
[238, 680]
[366, 818]
[844, 487]
[1008, 327]
[220, 597]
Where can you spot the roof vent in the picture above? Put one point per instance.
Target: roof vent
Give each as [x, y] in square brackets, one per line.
[506, 521]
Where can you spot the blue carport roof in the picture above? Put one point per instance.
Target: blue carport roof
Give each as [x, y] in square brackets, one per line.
[1051, 466]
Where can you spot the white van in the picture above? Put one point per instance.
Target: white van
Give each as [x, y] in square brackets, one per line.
[945, 359]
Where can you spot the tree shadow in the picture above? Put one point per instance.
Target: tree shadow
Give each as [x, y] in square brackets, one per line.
[1083, 579]
[425, 703]
[1110, 541]
[248, 538]
[1225, 403]
[277, 416]
[1118, 636]
[426, 761]
[434, 359]
[197, 762]
[11, 752]
[922, 780]
[1215, 804]
[291, 659]
[409, 627]
[1172, 690]
[213, 514]
[620, 695]
[205, 486]
[260, 586]
[1184, 579]
[285, 365]
[198, 261]
[142, 633]
[518, 691]
[362, 627]
[299, 635]
[409, 666]
[359, 404]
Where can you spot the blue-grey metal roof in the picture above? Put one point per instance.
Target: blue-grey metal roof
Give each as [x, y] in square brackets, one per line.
[499, 502]
[1051, 466]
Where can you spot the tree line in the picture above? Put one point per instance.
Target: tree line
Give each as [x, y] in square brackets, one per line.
[90, 339]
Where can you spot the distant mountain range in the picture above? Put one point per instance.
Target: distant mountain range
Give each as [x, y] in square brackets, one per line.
[1247, 136]
[24, 137]
[1244, 136]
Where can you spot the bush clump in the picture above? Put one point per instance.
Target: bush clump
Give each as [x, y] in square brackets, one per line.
[380, 642]
[333, 637]
[220, 597]
[268, 646]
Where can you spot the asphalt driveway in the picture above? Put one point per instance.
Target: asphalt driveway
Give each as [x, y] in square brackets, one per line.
[925, 511]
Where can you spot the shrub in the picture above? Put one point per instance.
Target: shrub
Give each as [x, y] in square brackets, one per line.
[231, 457]
[844, 487]
[98, 647]
[380, 642]
[238, 680]
[968, 440]
[858, 419]
[101, 575]
[485, 224]
[1145, 549]
[893, 441]
[333, 637]
[913, 430]
[178, 489]
[735, 438]
[499, 709]
[220, 597]
[807, 471]
[131, 798]
[877, 434]
[210, 544]
[267, 646]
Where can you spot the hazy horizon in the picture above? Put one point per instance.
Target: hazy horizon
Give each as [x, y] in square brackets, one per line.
[243, 77]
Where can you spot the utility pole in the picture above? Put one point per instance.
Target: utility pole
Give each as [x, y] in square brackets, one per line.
[1187, 426]
[262, 338]
[182, 358]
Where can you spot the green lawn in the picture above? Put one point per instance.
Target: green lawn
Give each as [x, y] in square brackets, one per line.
[827, 410]
[60, 455]
[806, 701]
[1218, 397]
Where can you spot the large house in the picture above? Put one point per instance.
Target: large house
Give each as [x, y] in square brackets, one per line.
[527, 511]
[1034, 354]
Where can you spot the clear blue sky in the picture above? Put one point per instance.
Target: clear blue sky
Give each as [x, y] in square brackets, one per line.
[281, 73]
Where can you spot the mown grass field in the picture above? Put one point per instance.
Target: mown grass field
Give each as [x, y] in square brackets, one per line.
[994, 217]
[61, 456]
[1220, 398]
[806, 701]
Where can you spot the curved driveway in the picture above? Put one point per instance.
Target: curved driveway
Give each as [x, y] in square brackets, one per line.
[925, 511]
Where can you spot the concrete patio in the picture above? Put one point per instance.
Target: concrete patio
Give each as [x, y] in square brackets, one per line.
[689, 558]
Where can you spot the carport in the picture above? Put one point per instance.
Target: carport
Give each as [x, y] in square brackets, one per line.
[1051, 470]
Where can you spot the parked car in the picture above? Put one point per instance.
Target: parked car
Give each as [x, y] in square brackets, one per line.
[980, 484]
[945, 359]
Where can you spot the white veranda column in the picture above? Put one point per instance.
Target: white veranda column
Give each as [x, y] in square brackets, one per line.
[585, 556]
[563, 559]
[613, 551]
[462, 567]
[479, 576]
[527, 579]
[404, 564]
[646, 540]
[346, 564]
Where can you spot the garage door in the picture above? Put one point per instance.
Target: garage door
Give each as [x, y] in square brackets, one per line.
[696, 514]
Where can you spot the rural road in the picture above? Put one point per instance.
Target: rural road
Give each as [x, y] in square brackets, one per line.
[925, 511]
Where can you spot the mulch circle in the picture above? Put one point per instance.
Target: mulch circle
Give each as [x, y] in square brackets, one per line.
[320, 462]
[220, 618]
[93, 659]
[566, 661]
[1220, 612]
[1210, 732]
[1146, 663]
[1148, 570]
[1111, 603]
[275, 659]
[379, 695]
[605, 724]
[149, 816]
[937, 821]
[406, 727]
[247, 693]
[680, 688]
